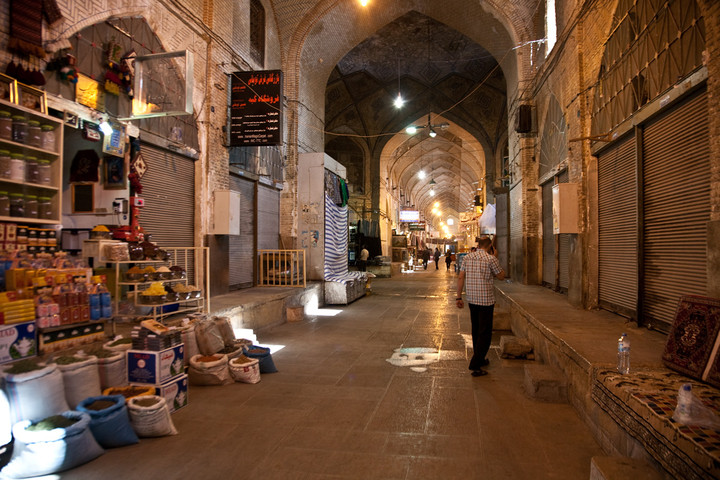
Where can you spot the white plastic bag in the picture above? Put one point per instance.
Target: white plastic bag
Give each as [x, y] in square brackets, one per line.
[81, 380]
[690, 410]
[215, 372]
[150, 416]
[244, 369]
[486, 222]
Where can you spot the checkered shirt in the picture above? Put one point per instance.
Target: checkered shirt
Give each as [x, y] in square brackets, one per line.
[480, 268]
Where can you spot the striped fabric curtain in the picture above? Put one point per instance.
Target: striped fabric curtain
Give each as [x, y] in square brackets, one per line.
[336, 244]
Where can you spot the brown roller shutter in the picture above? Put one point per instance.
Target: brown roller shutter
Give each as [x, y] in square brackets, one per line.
[268, 231]
[617, 228]
[548, 240]
[516, 233]
[242, 247]
[502, 230]
[563, 247]
[676, 208]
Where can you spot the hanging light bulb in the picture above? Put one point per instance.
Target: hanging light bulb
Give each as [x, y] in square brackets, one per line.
[399, 102]
[105, 127]
[411, 130]
[432, 133]
[364, 3]
[421, 174]
[432, 191]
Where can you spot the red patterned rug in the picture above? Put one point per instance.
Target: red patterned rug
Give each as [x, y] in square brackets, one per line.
[692, 345]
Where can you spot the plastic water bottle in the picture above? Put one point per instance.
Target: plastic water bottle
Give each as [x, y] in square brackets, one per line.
[682, 412]
[623, 364]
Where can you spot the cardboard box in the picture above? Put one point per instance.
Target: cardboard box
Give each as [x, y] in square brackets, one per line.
[175, 392]
[146, 366]
[18, 341]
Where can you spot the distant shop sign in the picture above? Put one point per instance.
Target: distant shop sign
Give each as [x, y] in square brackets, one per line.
[416, 226]
[256, 108]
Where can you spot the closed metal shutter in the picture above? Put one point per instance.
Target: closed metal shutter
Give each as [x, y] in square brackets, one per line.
[618, 228]
[548, 239]
[502, 230]
[242, 247]
[268, 231]
[676, 208]
[563, 247]
[169, 194]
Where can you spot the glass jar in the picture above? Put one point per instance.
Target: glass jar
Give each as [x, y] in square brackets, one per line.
[31, 206]
[34, 139]
[32, 175]
[48, 137]
[44, 172]
[17, 205]
[17, 167]
[5, 125]
[19, 129]
[4, 204]
[5, 163]
[45, 208]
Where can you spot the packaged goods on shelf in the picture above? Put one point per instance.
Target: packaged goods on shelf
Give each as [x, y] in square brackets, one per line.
[175, 392]
[145, 339]
[70, 336]
[17, 311]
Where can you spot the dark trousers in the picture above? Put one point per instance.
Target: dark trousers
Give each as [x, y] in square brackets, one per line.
[362, 265]
[481, 319]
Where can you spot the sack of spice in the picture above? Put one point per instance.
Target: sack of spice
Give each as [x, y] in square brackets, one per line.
[244, 369]
[150, 416]
[118, 344]
[80, 376]
[267, 365]
[51, 445]
[112, 367]
[109, 420]
[130, 391]
[208, 337]
[226, 330]
[209, 370]
[190, 341]
[34, 391]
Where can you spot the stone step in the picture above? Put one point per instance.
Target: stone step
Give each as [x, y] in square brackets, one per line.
[515, 347]
[501, 320]
[622, 468]
[544, 383]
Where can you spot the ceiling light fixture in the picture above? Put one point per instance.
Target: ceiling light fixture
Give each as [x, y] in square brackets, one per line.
[421, 174]
[399, 102]
[413, 129]
[432, 133]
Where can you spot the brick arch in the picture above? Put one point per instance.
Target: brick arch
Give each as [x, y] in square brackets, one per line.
[331, 28]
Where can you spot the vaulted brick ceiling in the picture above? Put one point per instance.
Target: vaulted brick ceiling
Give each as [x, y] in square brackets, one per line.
[438, 71]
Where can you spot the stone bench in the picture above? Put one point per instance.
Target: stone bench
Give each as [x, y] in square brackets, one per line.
[643, 403]
[621, 468]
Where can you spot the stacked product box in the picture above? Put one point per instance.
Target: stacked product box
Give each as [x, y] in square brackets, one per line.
[158, 364]
[17, 341]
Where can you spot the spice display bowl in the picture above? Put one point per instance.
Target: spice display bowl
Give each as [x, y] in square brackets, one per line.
[153, 299]
[160, 276]
[136, 277]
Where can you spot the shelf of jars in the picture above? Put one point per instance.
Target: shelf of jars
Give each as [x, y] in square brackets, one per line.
[31, 145]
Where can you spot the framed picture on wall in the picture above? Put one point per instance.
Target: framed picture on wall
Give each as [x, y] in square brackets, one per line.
[114, 144]
[114, 173]
[8, 88]
[83, 197]
[32, 98]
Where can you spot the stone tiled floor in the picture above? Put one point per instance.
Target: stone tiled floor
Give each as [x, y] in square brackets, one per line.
[337, 409]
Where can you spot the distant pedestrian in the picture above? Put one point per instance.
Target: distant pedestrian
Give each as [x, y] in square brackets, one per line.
[479, 268]
[426, 257]
[448, 259]
[362, 260]
[437, 257]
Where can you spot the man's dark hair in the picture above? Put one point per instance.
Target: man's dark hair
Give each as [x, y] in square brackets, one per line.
[484, 242]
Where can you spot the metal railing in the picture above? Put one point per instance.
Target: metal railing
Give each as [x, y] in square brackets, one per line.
[281, 268]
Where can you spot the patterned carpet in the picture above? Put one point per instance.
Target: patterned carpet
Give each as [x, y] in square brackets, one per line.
[643, 402]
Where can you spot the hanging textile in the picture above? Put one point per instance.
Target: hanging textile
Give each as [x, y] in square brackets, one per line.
[332, 187]
[336, 244]
[344, 193]
[26, 25]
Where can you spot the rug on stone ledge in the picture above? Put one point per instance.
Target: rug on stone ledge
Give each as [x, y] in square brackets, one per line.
[693, 342]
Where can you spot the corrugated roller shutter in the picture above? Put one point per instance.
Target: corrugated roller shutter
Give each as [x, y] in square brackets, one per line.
[516, 233]
[169, 194]
[501, 229]
[564, 247]
[242, 247]
[548, 240]
[268, 231]
[618, 227]
[676, 208]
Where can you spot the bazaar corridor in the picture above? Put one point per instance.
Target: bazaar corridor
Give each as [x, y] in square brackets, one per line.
[338, 409]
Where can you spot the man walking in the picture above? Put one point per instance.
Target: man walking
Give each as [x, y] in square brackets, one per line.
[436, 256]
[479, 268]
